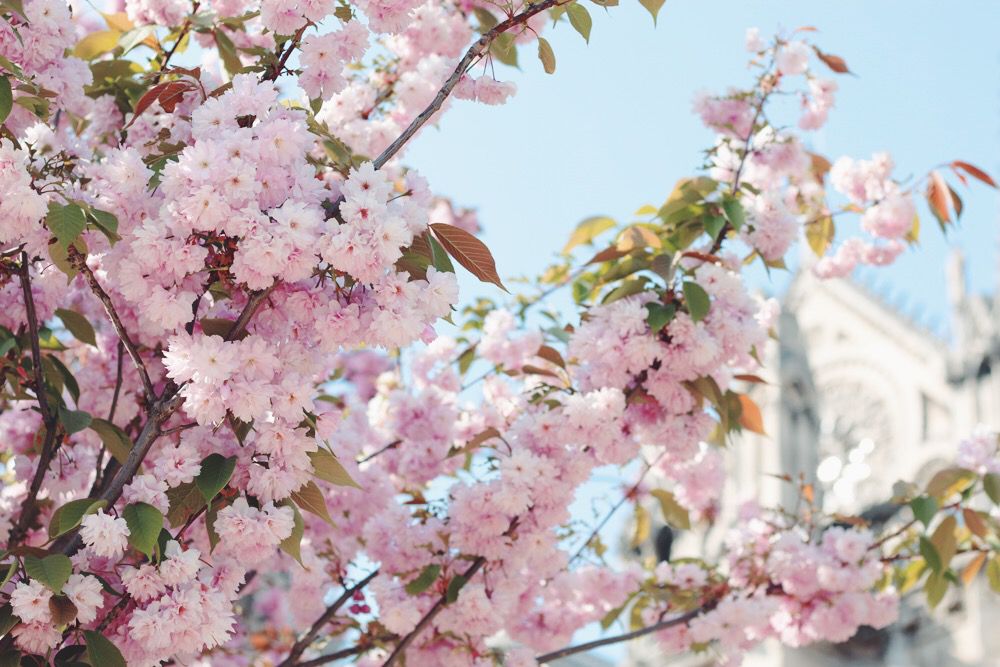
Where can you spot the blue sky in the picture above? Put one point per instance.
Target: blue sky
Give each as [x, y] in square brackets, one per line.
[612, 129]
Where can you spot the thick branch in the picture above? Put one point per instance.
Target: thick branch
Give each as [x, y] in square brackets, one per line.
[303, 643]
[253, 304]
[476, 51]
[597, 643]
[79, 262]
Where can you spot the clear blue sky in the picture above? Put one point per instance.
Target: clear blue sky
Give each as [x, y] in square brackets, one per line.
[612, 129]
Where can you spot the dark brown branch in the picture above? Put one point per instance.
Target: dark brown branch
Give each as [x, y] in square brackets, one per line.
[36, 352]
[476, 51]
[279, 66]
[391, 445]
[303, 643]
[29, 508]
[606, 641]
[397, 653]
[253, 304]
[79, 262]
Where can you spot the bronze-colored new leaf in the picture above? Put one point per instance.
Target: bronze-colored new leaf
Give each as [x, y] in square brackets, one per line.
[939, 197]
[468, 251]
[750, 417]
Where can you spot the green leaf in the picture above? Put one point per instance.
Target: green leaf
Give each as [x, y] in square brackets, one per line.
[227, 52]
[328, 468]
[935, 587]
[653, 7]
[991, 484]
[993, 573]
[930, 554]
[65, 222]
[734, 212]
[588, 230]
[424, 580]
[185, 499]
[11, 658]
[504, 49]
[455, 587]
[697, 301]
[53, 571]
[6, 98]
[69, 516]
[714, 224]
[74, 421]
[673, 512]
[580, 19]
[310, 498]
[7, 621]
[78, 325]
[659, 315]
[292, 545]
[546, 55]
[439, 257]
[144, 525]
[67, 376]
[101, 651]
[216, 470]
[115, 440]
[106, 222]
[924, 508]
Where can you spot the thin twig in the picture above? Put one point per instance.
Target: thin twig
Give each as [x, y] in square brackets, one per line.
[79, 262]
[635, 634]
[303, 643]
[475, 52]
[391, 445]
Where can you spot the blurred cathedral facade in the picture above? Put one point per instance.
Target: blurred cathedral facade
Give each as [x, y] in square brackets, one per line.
[859, 397]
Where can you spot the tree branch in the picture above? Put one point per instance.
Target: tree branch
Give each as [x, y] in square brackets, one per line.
[475, 52]
[303, 643]
[635, 634]
[29, 508]
[79, 262]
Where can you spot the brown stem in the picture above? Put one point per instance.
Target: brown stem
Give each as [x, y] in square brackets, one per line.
[303, 643]
[475, 52]
[391, 445]
[79, 262]
[597, 643]
[283, 58]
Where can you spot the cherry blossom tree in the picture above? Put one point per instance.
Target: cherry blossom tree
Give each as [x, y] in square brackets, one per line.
[246, 421]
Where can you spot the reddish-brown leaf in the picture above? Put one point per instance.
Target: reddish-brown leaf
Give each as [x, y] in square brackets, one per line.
[956, 201]
[836, 63]
[749, 377]
[468, 251]
[975, 172]
[939, 197]
[974, 522]
[750, 417]
[705, 257]
[482, 437]
[146, 101]
[172, 94]
[607, 255]
[552, 355]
